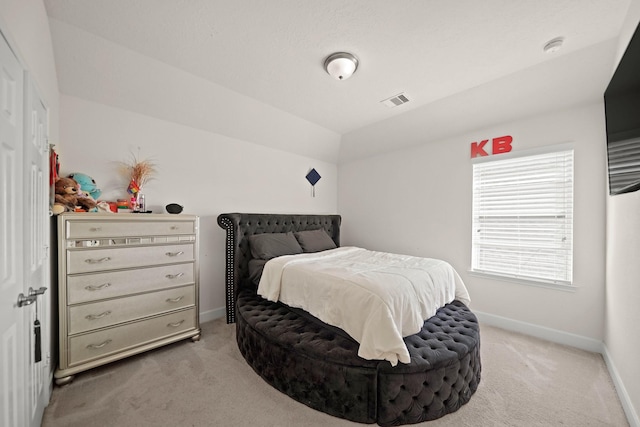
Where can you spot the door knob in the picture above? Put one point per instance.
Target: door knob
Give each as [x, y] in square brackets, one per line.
[22, 300]
[31, 298]
[36, 292]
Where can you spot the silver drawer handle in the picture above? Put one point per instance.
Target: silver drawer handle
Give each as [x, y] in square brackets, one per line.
[97, 346]
[97, 288]
[174, 299]
[97, 316]
[176, 324]
[97, 261]
[174, 276]
[174, 253]
[95, 229]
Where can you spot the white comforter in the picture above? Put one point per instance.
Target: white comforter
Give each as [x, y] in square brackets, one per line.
[376, 297]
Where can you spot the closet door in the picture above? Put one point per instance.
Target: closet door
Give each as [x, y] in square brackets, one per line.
[36, 254]
[14, 331]
[24, 231]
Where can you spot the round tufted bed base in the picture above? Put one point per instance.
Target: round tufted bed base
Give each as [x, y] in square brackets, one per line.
[318, 364]
[320, 367]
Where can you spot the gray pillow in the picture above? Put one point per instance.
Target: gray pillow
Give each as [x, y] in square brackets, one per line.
[315, 240]
[270, 245]
[255, 270]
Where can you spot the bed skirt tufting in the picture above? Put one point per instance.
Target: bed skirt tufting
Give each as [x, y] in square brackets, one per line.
[320, 368]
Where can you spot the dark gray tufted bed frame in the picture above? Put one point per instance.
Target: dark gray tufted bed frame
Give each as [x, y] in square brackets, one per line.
[317, 364]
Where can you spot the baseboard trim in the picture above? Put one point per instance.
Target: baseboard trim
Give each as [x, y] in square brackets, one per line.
[627, 405]
[573, 340]
[553, 335]
[216, 313]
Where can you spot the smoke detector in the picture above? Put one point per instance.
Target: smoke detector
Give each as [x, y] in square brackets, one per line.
[396, 100]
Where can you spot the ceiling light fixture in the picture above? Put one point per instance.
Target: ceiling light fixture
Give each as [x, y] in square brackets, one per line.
[553, 45]
[341, 65]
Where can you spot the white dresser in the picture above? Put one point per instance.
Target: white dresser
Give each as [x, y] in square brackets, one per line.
[127, 283]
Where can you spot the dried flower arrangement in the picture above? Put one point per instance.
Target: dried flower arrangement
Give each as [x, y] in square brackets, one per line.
[139, 173]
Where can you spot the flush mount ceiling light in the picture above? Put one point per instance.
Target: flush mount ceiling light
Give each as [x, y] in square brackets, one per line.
[341, 65]
[553, 45]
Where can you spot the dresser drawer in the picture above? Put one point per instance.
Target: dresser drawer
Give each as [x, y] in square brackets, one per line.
[86, 317]
[127, 283]
[111, 284]
[89, 260]
[86, 347]
[114, 229]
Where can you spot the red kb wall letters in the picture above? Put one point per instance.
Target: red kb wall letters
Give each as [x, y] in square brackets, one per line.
[501, 144]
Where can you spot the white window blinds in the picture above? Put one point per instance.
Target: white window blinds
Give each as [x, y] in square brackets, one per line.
[523, 217]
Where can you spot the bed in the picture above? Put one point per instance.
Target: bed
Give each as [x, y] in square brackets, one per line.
[318, 364]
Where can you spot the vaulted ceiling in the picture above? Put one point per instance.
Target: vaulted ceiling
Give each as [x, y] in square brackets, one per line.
[273, 51]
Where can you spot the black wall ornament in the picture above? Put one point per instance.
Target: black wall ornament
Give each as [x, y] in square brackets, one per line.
[313, 177]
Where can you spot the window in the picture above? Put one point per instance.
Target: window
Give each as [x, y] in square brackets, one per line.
[523, 217]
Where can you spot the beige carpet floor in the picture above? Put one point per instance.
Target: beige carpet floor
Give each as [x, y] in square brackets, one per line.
[525, 382]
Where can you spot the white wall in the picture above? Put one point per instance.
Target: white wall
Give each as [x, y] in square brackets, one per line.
[26, 26]
[418, 201]
[561, 82]
[216, 150]
[622, 338]
[205, 172]
[99, 70]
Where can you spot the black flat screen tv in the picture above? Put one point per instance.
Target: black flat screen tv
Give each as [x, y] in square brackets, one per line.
[622, 109]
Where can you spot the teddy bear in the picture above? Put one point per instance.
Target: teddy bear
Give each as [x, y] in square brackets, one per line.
[87, 184]
[66, 197]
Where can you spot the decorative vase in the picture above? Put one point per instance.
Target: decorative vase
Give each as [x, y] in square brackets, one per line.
[140, 202]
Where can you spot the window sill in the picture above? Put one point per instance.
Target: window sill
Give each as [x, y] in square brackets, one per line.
[535, 283]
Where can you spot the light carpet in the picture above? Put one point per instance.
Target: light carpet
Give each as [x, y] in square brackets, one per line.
[525, 382]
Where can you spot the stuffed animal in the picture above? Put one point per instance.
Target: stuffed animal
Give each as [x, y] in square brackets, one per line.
[67, 200]
[87, 184]
[66, 195]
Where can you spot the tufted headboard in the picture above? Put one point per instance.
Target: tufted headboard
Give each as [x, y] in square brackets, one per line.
[240, 226]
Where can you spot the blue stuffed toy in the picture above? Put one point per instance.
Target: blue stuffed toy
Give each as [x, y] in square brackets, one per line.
[87, 185]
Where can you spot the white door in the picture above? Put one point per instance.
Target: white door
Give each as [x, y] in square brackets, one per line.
[36, 238]
[13, 320]
[23, 230]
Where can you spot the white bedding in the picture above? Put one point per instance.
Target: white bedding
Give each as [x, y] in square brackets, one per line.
[376, 297]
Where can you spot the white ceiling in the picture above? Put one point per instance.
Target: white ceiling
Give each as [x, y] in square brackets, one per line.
[273, 51]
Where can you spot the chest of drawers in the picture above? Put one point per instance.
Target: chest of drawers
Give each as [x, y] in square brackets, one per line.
[127, 283]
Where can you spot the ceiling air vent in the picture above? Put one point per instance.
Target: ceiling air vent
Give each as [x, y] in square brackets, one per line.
[396, 100]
